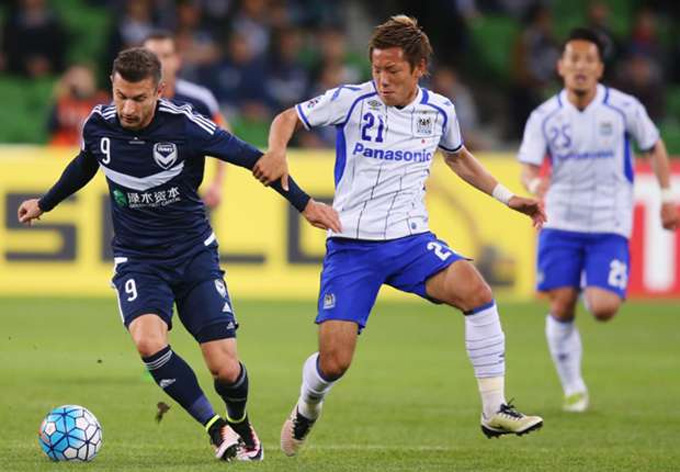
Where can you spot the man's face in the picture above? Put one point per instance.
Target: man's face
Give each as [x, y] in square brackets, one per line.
[135, 101]
[396, 81]
[580, 66]
[167, 54]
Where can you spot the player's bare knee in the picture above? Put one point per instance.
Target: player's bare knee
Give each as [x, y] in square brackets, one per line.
[334, 365]
[227, 372]
[147, 346]
[605, 313]
[483, 293]
[562, 312]
[477, 295]
[563, 309]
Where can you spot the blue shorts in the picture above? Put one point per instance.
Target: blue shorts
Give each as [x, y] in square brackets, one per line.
[194, 283]
[354, 270]
[572, 259]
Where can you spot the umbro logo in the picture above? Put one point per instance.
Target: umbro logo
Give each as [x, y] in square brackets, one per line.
[164, 383]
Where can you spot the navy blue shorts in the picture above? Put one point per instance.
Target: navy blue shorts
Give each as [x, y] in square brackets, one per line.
[194, 283]
[572, 259]
[354, 270]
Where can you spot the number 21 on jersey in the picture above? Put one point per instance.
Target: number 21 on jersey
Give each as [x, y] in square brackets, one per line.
[369, 122]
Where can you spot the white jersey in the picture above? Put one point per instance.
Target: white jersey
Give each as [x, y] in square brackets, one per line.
[591, 188]
[383, 157]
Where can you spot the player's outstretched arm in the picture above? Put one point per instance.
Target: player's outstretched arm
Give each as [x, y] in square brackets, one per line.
[76, 175]
[670, 219]
[29, 210]
[468, 168]
[322, 216]
[273, 165]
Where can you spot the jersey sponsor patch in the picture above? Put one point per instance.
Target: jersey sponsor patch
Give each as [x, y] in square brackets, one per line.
[120, 198]
[152, 199]
[165, 154]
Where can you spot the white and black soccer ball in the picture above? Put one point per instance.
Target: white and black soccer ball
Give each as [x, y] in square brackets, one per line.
[70, 433]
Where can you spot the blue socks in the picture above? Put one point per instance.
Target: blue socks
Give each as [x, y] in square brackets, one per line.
[235, 396]
[174, 375]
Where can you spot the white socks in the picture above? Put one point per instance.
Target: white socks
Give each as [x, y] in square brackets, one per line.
[564, 343]
[314, 389]
[492, 391]
[485, 344]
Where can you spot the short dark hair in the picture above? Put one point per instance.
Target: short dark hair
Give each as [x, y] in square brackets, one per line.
[585, 34]
[137, 64]
[403, 32]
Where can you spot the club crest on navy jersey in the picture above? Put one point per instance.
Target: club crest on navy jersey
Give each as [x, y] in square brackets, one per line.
[165, 154]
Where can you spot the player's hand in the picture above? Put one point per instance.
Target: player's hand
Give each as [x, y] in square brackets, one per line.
[670, 219]
[29, 210]
[322, 216]
[530, 207]
[271, 167]
[213, 196]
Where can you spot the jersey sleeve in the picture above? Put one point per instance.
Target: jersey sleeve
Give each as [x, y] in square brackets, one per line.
[327, 109]
[226, 147]
[452, 139]
[641, 127]
[75, 176]
[534, 146]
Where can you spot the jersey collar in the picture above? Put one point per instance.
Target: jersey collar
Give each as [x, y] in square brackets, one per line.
[415, 101]
[600, 96]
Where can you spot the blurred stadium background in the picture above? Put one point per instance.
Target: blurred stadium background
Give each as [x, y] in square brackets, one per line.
[495, 58]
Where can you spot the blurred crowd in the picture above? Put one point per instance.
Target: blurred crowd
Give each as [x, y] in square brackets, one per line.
[259, 57]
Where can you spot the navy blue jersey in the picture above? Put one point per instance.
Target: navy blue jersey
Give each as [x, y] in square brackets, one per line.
[153, 176]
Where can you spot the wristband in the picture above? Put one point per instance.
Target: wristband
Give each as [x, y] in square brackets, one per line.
[667, 195]
[533, 184]
[502, 194]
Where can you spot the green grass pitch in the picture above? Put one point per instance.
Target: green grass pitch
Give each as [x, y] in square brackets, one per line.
[409, 403]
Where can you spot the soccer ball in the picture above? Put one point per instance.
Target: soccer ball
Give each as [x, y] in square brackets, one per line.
[70, 433]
